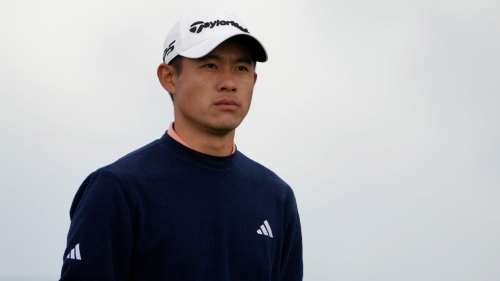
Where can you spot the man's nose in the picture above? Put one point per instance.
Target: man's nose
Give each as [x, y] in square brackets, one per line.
[226, 82]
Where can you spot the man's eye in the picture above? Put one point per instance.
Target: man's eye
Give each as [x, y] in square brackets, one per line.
[242, 68]
[210, 65]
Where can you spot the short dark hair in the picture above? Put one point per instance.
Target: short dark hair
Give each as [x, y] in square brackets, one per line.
[176, 62]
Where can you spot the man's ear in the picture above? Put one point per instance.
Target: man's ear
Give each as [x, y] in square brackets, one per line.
[254, 78]
[168, 77]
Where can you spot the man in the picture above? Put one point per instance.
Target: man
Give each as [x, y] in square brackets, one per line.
[189, 206]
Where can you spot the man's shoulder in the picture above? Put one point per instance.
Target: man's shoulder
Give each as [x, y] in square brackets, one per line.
[266, 182]
[138, 154]
[136, 161]
[262, 172]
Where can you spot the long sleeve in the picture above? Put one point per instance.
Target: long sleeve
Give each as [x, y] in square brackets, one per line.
[291, 257]
[100, 238]
[167, 212]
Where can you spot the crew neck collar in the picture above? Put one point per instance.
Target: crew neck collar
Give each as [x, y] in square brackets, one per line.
[171, 132]
[210, 161]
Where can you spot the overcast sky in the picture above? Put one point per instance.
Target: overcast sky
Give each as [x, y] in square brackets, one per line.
[383, 116]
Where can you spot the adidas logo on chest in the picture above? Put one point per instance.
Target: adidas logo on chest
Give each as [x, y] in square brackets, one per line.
[265, 229]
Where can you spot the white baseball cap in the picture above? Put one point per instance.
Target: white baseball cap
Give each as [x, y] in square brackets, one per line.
[197, 34]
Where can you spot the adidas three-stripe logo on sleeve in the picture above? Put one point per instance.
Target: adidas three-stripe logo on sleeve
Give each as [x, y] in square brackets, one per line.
[75, 253]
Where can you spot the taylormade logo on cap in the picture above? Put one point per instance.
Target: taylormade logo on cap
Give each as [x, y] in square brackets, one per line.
[197, 34]
[201, 25]
[169, 49]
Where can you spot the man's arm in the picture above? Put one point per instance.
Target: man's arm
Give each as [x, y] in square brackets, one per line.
[291, 256]
[100, 238]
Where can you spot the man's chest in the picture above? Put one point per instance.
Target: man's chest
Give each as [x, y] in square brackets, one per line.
[210, 229]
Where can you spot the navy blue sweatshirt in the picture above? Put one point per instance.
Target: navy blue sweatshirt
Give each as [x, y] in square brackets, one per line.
[167, 212]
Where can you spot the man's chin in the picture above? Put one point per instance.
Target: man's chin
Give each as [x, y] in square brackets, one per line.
[224, 128]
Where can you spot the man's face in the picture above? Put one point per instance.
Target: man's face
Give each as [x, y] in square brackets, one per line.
[213, 93]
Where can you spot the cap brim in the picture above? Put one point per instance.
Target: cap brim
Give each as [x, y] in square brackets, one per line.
[206, 46]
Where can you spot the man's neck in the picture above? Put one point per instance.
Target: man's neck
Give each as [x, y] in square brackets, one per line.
[204, 141]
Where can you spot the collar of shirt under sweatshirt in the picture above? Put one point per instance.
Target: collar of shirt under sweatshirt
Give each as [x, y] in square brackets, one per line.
[176, 137]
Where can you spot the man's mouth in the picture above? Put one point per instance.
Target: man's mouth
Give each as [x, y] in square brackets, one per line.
[227, 104]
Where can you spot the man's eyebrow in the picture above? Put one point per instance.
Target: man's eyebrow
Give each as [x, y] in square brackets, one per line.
[216, 57]
[244, 59]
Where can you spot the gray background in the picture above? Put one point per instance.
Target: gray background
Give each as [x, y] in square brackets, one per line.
[382, 115]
